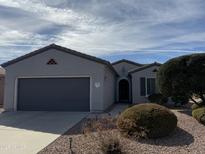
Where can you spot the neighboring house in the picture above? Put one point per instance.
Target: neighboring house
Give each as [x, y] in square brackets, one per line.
[55, 78]
[2, 75]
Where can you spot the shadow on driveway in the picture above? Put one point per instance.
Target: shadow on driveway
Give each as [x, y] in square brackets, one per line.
[48, 122]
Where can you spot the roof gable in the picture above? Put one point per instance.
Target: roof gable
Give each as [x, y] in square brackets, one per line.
[144, 67]
[59, 48]
[127, 61]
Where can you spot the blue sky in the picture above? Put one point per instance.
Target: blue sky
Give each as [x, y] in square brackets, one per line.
[140, 30]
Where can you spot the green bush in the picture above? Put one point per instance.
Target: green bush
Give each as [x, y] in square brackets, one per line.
[157, 98]
[147, 121]
[199, 114]
[196, 106]
[183, 75]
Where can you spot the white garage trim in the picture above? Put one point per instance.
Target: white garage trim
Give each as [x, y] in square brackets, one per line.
[27, 77]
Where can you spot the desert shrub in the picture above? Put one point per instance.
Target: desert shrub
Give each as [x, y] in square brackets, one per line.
[98, 124]
[101, 130]
[110, 144]
[157, 98]
[180, 99]
[147, 121]
[199, 114]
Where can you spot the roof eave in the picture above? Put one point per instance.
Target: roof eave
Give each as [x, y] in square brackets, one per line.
[144, 67]
[54, 46]
[127, 61]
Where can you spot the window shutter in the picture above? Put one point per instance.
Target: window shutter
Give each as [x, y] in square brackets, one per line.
[142, 87]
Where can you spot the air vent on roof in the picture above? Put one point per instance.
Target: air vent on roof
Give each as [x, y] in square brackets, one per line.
[51, 62]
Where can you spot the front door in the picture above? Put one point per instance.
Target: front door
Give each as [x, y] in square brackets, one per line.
[124, 90]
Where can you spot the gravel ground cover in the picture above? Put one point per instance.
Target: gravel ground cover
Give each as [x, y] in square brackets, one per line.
[189, 137]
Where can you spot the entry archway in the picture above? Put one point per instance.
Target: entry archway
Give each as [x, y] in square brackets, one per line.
[123, 90]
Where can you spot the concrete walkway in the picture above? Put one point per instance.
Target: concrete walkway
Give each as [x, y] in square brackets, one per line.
[118, 108]
[114, 111]
[29, 132]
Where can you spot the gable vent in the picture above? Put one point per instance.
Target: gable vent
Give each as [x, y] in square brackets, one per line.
[155, 70]
[51, 62]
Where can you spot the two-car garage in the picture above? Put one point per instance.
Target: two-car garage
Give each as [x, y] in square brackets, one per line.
[53, 94]
[55, 78]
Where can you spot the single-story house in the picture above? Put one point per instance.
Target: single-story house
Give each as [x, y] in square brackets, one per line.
[55, 78]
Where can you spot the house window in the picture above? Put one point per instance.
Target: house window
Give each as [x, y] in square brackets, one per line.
[151, 86]
[142, 87]
[147, 86]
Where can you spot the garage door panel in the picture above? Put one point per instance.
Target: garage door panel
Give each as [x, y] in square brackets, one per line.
[54, 94]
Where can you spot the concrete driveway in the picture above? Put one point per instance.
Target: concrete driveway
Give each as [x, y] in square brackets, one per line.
[29, 132]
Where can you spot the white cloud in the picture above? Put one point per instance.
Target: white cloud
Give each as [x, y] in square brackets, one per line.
[11, 37]
[102, 27]
[42, 11]
[191, 37]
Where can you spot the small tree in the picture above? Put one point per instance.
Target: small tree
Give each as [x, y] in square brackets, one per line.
[183, 75]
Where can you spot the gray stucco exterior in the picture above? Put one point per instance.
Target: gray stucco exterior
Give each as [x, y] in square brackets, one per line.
[109, 88]
[147, 73]
[132, 72]
[108, 82]
[68, 65]
[123, 67]
[2, 78]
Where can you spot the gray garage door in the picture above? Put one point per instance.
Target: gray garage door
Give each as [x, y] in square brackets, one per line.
[54, 94]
